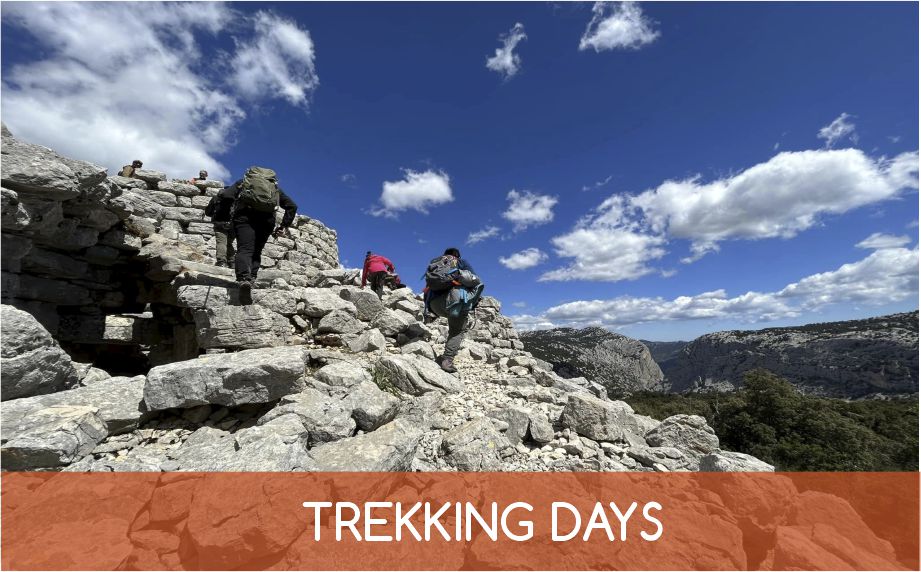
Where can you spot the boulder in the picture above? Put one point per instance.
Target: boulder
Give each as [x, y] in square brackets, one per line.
[518, 420]
[367, 304]
[321, 301]
[249, 376]
[276, 446]
[36, 170]
[343, 374]
[282, 302]
[241, 327]
[391, 322]
[416, 375]
[51, 437]
[728, 462]
[369, 341]
[340, 322]
[688, 433]
[419, 348]
[474, 446]
[601, 420]
[539, 428]
[31, 362]
[389, 448]
[200, 296]
[323, 418]
[371, 407]
[118, 402]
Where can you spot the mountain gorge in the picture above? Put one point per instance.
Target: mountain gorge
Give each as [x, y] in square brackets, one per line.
[873, 357]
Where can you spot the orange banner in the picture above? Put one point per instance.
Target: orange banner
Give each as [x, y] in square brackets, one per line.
[448, 521]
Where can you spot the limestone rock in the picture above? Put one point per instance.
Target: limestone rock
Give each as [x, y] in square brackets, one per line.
[474, 446]
[51, 437]
[601, 420]
[321, 301]
[118, 402]
[241, 327]
[31, 362]
[371, 407]
[688, 433]
[367, 304]
[416, 375]
[725, 462]
[369, 341]
[419, 348]
[339, 322]
[323, 417]
[343, 374]
[391, 322]
[249, 376]
[389, 448]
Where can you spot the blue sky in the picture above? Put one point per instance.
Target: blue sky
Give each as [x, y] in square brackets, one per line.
[663, 169]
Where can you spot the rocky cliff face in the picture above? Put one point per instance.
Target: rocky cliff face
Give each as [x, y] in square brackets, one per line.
[619, 363]
[851, 359]
[125, 349]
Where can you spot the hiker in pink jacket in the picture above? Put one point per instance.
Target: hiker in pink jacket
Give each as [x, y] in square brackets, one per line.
[376, 269]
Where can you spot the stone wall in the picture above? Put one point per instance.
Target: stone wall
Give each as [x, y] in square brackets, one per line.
[97, 259]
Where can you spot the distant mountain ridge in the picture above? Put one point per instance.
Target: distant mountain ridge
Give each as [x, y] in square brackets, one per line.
[848, 359]
[619, 363]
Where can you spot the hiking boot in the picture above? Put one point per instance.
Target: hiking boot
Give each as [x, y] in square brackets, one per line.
[246, 292]
[447, 364]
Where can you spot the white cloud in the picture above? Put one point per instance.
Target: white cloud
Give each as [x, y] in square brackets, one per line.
[417, 191]
[109, 86]
[885, 276]
[603, 253]
[482, 234]
[617, 25]
[278, 60]
[520, 304]
[598, 184]
[348, 179]
[528, 209]
[879, 240]
[527, 258]
[837, 130]
[506, 62]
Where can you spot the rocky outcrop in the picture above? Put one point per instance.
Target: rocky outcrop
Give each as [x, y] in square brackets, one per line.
[31, 361]
[620, 364]
[852, 359]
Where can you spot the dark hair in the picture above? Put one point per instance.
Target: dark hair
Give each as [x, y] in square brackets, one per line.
[452, 252]
[367, 254]
[137, 163]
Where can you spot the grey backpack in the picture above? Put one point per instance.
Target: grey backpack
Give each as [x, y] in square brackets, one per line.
[259, 190]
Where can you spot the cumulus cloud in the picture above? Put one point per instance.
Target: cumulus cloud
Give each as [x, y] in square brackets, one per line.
[277, 60]
[885, 276]
[506, 62]
[529, 209]
[418, 191]
[879, 240]
[779, 198]
[129, 87]
[604, 253]
[838, 129]
[618, 25]
[527, 258]
[482, 234]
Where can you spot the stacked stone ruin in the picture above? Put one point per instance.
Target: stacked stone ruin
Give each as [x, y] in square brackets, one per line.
[126, 349]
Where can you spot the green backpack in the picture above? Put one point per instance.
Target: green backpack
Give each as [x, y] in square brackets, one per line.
[259, 190]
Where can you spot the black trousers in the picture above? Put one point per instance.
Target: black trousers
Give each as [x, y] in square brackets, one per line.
[252, 231]
[377, 282]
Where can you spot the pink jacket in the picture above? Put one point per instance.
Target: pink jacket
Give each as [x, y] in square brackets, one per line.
[375, 263]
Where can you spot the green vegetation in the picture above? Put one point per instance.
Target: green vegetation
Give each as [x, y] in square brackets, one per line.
[769, 419]
[381, 379]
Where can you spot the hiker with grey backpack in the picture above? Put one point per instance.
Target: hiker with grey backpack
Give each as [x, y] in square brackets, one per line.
[452, 291]
[256, 197]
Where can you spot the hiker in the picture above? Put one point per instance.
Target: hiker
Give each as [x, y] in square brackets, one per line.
[220, 209]
[129, 170]
[202, 176]
[376, 269]
[452, 291]
[256, 196]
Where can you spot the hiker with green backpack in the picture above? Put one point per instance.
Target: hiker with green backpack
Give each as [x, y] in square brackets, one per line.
[256, 197]
[452, 291]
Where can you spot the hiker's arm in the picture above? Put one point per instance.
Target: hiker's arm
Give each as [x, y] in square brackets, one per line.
[289, 206]
[364, 273]
[464, 265]
[388, 264]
